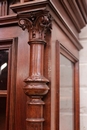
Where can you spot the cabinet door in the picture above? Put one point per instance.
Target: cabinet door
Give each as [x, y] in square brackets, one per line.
[67, 88]
[7, 83]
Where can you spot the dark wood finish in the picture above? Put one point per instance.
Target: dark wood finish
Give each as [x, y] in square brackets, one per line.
[71, 13]
[57, 80]
[9, 20]
[76, 98]
[76, 6]
[3, 93]
[37, 24]
[47, 74]
[56, 7]
[70, 56]
[9, 93]
[82, 8]
[39, 60]
[6, 44]
[64, 51]
[12, 84]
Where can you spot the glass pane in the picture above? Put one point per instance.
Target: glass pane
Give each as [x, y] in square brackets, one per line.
[3, 69]
[66, 94]
[3, 86]
[2, 112]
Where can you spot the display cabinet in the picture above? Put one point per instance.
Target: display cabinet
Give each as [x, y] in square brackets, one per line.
[39, 64]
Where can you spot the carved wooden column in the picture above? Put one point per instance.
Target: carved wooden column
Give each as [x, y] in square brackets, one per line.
[37, 24]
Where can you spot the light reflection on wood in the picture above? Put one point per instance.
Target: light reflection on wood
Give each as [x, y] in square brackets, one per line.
[3, 93]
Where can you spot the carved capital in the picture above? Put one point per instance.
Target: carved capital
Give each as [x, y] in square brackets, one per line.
[37, 24]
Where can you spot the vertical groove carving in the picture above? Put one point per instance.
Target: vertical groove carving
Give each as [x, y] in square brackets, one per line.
[3, 8]
[36, 84]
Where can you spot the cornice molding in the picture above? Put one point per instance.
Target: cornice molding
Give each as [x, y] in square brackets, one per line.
[84, 3]
[77, 11]
[64, 26]
[42, 5]
[82, 8]
[71, 14]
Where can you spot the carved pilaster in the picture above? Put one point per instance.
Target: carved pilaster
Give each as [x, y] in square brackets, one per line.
[37, 24]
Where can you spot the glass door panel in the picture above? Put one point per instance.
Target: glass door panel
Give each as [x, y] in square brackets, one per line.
[3, 69]
[3, 86]
[2, 112]
[66, 94]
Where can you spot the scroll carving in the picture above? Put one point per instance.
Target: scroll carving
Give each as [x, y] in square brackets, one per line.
[37, 23]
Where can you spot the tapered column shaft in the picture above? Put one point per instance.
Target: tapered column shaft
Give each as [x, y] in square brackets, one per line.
[36, 58]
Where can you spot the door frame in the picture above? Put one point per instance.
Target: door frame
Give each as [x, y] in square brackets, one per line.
[60, 49]
[10, 44]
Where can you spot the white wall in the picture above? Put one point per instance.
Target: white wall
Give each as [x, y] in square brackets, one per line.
[83, 79]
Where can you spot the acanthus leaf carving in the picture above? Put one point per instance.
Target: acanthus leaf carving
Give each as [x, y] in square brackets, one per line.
[37, 24]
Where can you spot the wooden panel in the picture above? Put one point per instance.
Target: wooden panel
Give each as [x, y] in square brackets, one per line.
[58, 34]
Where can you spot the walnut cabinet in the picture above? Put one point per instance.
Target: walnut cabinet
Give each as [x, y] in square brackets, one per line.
[39, 64]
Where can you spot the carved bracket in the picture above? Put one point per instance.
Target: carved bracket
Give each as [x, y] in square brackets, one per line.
[37, 24]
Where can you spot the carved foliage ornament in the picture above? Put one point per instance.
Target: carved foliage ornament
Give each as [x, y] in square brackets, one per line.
[37, 24]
